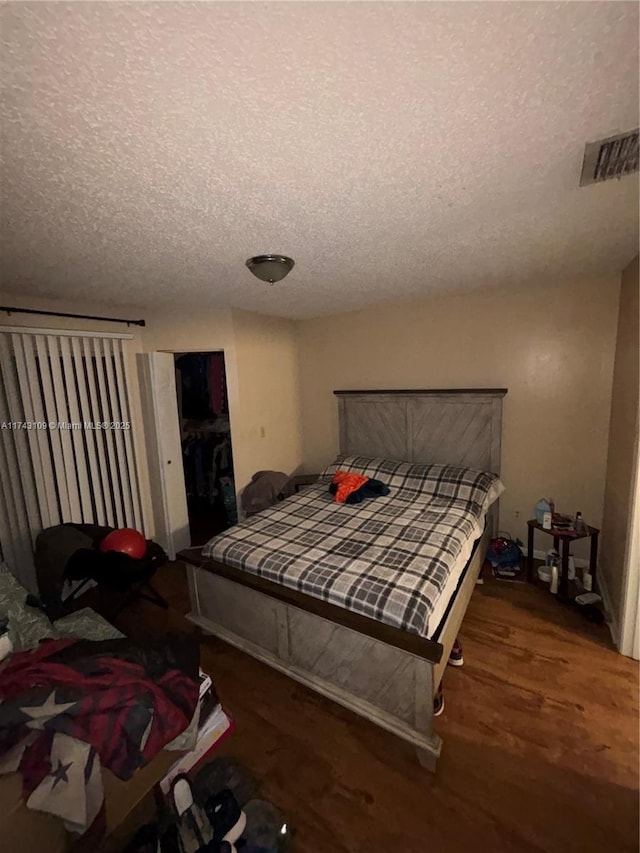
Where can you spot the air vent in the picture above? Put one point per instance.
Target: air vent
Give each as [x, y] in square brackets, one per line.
[610, 158]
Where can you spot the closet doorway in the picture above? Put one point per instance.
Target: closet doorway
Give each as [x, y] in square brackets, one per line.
[205, 438]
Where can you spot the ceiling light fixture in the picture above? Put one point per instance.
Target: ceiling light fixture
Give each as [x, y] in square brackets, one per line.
[270, 268]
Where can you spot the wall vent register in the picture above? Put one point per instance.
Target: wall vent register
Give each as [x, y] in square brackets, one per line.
[609, 158]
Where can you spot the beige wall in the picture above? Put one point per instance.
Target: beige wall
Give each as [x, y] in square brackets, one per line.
[269, 427]
[623, 442]
[552, 346]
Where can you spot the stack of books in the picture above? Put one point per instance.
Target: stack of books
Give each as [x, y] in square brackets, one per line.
[208, 700]
[563, 523]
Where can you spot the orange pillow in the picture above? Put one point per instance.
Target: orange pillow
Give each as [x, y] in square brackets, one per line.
[347, 482]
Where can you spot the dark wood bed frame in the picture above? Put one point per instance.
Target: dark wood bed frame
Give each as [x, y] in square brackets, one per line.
[383, 673]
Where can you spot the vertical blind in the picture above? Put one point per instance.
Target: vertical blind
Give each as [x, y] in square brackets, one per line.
[66, 446]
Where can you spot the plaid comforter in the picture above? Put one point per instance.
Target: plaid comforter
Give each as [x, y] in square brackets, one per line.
[388, 558]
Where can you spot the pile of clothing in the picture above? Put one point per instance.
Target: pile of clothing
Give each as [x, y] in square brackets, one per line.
[266, 489]
[505, 557]
[69, 707]
[69, 553]
[351, 488]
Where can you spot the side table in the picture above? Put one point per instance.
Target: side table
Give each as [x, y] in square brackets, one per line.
[566, 537]
[302, 480]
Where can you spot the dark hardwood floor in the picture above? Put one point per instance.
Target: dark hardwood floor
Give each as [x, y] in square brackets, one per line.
[540, 734]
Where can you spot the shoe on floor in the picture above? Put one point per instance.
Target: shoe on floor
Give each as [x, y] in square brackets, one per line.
[438, 703]
[181, 795]
[192, 825]
[455, 657]
[225, 816]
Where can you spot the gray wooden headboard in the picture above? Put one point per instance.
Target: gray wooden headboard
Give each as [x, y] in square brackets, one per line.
[448, 426]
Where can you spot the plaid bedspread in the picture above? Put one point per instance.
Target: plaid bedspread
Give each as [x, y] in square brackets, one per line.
[387, 558]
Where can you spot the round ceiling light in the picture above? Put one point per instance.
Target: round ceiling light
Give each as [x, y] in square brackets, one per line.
[270, 268]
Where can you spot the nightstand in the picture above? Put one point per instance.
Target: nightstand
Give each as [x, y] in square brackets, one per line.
[566, 537]
[302, 480]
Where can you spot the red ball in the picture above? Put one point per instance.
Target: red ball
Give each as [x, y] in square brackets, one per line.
[126, 540]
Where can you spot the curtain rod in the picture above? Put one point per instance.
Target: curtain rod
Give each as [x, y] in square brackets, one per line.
[11, 310]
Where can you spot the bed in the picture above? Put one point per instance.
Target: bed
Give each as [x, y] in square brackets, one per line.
[356, 619]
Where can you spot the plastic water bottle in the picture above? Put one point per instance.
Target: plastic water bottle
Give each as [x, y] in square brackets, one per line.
[579, 525]
[541, 507]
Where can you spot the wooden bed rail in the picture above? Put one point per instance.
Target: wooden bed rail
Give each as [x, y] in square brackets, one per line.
[412, 643]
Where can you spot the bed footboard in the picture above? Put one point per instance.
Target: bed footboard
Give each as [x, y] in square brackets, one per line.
[389, 686]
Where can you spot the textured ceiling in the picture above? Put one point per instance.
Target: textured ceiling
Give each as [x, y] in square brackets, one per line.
[393, 149]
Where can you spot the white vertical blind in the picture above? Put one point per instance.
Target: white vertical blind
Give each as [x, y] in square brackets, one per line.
[102, 472]
[55, 436]
[84, 508]
[67, 491]
[65, 445]
[104, 414]
[32, 411]
[93, 461]
[122, 388]
[10, 402]
[15, 525]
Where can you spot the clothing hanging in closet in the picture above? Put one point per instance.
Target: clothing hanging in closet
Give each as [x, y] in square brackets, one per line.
[207, 458]
[202, 381]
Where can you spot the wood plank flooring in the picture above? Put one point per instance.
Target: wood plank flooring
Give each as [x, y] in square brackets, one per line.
[540, 734]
